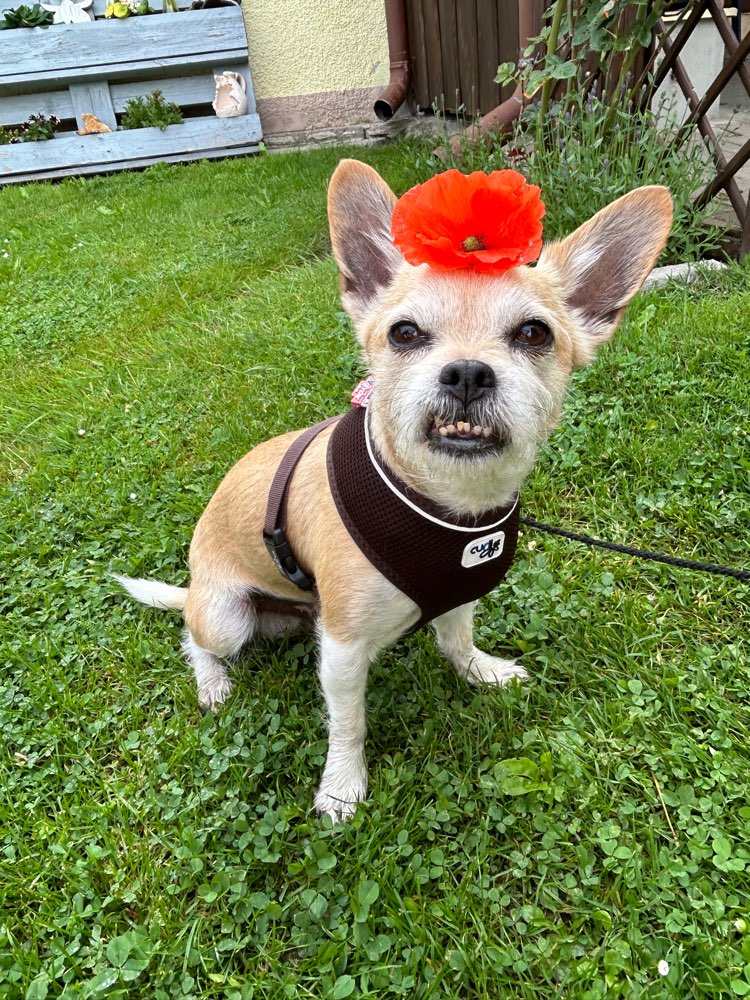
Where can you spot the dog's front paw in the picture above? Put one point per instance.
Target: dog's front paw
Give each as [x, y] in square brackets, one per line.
[341, 789]
[486, 669]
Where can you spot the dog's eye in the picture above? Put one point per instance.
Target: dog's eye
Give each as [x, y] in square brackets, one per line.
[533, 334]
[406, 335]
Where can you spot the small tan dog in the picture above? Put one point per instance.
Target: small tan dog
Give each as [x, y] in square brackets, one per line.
[466, 442]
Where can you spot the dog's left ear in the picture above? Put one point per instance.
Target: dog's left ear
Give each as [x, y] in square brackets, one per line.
[606, 260]
[360, 205]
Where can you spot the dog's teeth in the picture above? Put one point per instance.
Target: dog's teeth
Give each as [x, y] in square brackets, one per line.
[450, 429]
[486, 432]
[462, 426]
[476, 430]
[438, 424]
[443, 431]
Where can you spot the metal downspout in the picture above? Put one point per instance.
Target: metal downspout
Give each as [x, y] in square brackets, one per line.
[394, 94]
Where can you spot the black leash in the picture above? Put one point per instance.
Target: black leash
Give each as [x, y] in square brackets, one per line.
[737, 574]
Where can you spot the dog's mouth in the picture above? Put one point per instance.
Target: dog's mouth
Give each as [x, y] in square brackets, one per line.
[464, 438]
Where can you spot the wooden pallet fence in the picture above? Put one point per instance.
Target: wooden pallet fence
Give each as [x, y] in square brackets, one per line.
[68, 70]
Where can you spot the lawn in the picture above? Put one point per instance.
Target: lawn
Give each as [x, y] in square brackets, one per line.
[557, 839]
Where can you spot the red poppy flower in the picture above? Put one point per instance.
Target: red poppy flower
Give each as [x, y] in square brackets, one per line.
[484, 222]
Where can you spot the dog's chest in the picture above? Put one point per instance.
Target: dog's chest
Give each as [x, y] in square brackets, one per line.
[439, 562]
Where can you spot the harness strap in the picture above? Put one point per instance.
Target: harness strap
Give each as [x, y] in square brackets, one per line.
[274, 527]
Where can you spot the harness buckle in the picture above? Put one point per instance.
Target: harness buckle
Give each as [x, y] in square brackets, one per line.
[280, 551]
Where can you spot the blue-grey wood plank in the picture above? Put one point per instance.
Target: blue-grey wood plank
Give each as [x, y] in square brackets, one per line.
[118, 48]
[194, 136]
[187, 91]
[16, 108]
[149, 161]
[93, 99]
[251, 105]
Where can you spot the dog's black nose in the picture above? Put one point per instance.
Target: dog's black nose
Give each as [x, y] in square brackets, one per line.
[467, 380]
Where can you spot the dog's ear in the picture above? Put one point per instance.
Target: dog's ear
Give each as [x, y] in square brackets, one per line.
[606, 260]
[360, 205]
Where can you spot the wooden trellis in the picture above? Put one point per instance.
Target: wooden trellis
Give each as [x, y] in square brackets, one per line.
[736, 52]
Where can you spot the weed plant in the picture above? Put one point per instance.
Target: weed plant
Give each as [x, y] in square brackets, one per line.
[583, 158]
[151, 112]
[583, 42]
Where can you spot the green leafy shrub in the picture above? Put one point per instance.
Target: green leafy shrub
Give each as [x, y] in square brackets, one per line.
[36, 128]
[151, 112]
[27, 17]
[582, 42]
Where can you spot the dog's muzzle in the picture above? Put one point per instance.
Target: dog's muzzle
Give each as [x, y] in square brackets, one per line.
[461, 429]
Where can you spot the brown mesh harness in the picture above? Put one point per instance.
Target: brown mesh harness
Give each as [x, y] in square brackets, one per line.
[438, 560]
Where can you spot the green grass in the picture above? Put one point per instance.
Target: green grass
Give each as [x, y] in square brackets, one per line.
[180, 316]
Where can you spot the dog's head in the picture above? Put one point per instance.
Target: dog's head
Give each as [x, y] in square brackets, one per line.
[470, 369]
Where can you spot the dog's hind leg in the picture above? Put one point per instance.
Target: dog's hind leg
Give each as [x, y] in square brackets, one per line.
[456, 641]
[211, 675]
[219, 620]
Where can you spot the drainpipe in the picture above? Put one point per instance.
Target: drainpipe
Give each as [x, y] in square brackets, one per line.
[398, 50]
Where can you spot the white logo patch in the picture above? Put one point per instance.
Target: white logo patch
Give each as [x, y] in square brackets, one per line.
[481, 550]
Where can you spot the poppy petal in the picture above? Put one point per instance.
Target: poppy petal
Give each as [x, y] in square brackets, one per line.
[497, 215]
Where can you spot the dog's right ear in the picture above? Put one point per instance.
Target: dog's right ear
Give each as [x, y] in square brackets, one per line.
[360, 205]
[606, 260]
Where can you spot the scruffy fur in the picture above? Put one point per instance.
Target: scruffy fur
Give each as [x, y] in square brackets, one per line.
[579, 290]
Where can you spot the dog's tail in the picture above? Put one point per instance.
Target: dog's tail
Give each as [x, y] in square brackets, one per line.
[154, 593]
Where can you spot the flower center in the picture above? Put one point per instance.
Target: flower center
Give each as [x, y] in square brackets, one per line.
[472, 244]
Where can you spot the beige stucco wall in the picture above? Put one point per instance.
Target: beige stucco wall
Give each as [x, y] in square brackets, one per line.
[331, 55]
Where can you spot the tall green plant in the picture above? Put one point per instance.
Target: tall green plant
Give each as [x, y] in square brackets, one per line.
[583, 159]
[584, 136]
[583, 41]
